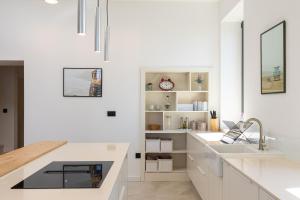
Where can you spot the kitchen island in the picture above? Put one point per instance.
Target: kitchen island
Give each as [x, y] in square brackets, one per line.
[114, 186]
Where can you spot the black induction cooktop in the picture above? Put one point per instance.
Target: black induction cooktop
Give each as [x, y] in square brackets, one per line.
[67, 175]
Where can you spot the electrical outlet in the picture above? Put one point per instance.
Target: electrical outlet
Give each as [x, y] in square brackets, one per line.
[138, 155]
[111, 113]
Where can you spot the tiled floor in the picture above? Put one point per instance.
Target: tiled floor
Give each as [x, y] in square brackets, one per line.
[162, 191]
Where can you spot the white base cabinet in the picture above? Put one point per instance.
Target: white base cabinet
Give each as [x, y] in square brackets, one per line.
[263, 195]
[236, 186]
[215, 186]
[120, 190]
[232, 186]
[206, 183]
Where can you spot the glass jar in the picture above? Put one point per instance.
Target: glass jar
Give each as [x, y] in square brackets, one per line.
[168, 122]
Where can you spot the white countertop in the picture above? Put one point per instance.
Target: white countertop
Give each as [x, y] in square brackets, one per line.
[275, 173]
[279, 176]
[209, 140]
[70, 152]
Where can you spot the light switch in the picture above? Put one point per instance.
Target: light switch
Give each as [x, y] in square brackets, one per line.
[111, 113]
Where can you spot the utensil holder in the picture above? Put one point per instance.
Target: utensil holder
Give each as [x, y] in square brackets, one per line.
[214, 125]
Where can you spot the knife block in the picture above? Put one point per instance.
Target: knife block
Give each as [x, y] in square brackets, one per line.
[214, 125]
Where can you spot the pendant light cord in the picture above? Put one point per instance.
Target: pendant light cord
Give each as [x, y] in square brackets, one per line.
[106, 13]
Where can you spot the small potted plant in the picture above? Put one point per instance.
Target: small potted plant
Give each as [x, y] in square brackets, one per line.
[149, 86]
[199, 82]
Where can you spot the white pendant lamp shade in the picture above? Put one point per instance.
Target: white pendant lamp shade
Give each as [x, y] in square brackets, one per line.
[81, 27]
[106, 44]
[98, 29]
[107, 36]
[51, 1]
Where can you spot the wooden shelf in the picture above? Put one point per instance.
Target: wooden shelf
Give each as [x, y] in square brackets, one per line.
[194, 111]
[173, 171]
[178, 131]
[195, 91]
[173, 152]
[176, 111]
[159, 91]
[186, 91]
[162, 91]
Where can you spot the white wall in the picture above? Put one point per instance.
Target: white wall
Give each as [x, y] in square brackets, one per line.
[142, 34]
[231, 69]
[278, 112]
[226, 6]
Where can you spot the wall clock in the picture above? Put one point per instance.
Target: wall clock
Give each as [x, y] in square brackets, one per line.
[166, 84]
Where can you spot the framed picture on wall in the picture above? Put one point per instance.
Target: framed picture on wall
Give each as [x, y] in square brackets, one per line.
[82, 82]
[273, 59]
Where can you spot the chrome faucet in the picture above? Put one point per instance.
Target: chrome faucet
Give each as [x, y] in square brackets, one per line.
[261, 135]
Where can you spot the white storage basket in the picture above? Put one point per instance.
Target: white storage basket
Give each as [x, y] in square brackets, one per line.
[166, 146]
[165, 165]
[152, 145]
[151, 165]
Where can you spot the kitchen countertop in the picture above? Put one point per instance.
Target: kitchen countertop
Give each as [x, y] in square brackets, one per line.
[212, 140]
[69, 152]
[278, 176]
[275, 173]
[19, 157]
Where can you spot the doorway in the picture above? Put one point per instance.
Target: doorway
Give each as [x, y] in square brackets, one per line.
[11, 105]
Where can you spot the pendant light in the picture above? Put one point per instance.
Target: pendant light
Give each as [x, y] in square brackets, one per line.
[107, 36]
[81, 26]
[98, 28]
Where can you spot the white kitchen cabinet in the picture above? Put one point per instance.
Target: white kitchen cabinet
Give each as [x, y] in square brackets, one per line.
[120, 189]
[236, 186]
[263, 195]
[196, 166]
[208, 185]
[215, 188]
[202, 183]
[190, 165]
[198, 176]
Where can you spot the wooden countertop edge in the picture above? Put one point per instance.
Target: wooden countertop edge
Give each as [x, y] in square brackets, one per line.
[15, 159]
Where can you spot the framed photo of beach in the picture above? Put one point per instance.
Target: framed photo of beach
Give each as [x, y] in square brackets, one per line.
[273, 59]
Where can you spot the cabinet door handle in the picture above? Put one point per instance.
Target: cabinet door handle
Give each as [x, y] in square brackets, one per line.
[190, 157]
[201, 170]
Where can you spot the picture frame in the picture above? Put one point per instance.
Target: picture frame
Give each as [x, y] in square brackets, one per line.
[273, 59]
[82, 82]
